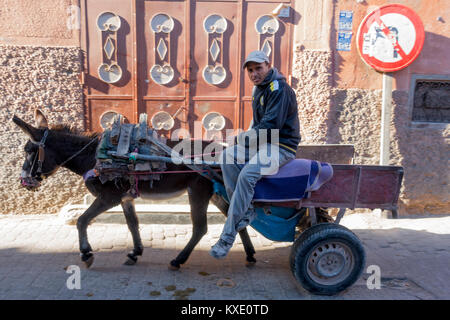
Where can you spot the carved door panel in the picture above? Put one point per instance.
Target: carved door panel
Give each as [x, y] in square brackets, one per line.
[214, 80]
[107, 42]
[178, 61]
[162, 49]
[270, 34]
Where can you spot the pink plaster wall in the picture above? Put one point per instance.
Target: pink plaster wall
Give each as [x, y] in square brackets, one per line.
[39, 22]
[340, 97]
[352, 72]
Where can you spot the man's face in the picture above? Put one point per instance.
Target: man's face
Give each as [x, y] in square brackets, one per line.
[257, 72]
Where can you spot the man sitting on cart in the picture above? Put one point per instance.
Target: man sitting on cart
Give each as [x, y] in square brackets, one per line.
[275, 114]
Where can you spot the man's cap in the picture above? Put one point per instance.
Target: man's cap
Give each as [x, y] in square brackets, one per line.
[256, 56]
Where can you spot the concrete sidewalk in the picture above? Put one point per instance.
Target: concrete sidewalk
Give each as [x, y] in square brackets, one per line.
[35, 251]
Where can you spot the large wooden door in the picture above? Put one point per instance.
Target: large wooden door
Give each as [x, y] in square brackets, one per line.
[109, 61]
[178, 61]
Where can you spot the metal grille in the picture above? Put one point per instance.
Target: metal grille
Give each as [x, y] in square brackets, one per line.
[431, 101]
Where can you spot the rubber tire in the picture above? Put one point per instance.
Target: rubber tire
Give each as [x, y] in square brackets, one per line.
[303, 246]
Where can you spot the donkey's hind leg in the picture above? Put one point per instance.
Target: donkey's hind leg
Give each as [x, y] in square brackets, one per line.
[248, 247]
[133, 225]
[99, 206]
[199, 196]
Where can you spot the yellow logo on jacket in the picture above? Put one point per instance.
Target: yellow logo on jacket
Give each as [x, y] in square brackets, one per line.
[274, 85]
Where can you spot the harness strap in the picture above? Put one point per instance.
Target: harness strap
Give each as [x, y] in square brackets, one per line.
[65, 161]
[75, 154]
[41, 152]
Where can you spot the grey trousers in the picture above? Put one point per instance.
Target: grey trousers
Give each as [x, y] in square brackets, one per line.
[241, 171]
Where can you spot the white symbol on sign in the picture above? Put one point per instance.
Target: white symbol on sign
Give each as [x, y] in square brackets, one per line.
[390, 38]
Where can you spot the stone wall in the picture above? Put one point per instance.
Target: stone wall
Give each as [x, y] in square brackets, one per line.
[353, 116]
[311, 81]
[45, 78]
[423, 150]
[40, 22]
[339, 96]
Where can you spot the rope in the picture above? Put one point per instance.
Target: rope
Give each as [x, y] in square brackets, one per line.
[157, 172]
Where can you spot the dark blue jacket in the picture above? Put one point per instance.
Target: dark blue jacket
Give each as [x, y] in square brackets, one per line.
[275, 107]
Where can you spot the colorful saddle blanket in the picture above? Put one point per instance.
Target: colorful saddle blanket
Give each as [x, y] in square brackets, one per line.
[293, 181]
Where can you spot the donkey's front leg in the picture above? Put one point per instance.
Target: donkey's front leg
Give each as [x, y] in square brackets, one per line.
[133, 226]
[97, 207]
[199, 196]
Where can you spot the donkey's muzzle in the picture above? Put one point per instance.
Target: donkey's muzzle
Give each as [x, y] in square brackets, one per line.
[30, 183]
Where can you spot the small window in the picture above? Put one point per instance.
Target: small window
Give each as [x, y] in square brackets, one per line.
[431, 102]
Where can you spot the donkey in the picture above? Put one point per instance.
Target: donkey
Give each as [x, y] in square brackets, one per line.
[51, 148]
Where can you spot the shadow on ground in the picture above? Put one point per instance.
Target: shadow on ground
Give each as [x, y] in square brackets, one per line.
[413, 265]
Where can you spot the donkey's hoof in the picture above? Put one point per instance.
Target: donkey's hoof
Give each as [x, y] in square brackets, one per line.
[174, 266]
[131, 261]
[88, 259]
[250, 262]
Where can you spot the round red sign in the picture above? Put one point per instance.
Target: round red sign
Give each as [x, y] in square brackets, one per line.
[390, 38]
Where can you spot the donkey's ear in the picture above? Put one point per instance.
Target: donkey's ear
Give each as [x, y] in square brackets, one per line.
[40, 120]
[34, 133]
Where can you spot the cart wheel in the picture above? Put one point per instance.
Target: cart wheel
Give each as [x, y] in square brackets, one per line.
[327, 258]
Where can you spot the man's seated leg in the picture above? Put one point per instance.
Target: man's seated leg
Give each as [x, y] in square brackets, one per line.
[250, 215]
[238, 210]
[232, 161]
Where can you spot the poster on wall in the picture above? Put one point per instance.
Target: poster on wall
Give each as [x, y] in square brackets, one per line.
[344, 42]
[345, 21]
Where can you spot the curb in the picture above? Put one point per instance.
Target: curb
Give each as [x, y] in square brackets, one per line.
[158, 218]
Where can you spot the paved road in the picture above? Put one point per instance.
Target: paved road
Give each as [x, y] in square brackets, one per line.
[35, 252]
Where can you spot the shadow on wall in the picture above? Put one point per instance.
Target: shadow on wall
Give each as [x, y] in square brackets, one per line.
[336, 58]
[423, 152]
[422, 148]
[354, 118]
[333, 135]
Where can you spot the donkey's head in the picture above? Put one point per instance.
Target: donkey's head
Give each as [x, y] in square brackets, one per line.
[39, 160]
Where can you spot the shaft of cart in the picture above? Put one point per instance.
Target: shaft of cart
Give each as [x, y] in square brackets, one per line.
[176, 160]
